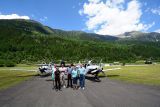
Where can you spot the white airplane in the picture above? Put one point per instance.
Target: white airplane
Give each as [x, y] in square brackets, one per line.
[94, 69]
[45, 68]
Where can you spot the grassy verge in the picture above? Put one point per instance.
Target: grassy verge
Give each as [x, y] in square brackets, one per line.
[20, 66]
[9, 77]
[149, 75]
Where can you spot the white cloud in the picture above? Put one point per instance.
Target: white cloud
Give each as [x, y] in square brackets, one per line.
[43, 19]
[94, 1]
[112, 17]
[146, 27]
[13, 16]
[158, 31]
[156, 11]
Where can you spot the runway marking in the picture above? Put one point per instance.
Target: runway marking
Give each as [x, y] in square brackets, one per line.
[112, 69]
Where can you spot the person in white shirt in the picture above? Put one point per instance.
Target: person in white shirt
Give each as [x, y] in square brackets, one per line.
[63, 71]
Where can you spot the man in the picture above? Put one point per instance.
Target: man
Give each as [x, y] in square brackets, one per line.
[63, 70]
[82, 73]
[69, 72]
[62, 62]
[57, 79]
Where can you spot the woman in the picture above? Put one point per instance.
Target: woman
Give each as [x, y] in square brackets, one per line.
[74, 77]
[53, 68]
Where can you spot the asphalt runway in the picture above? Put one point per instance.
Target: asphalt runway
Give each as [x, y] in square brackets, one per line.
[38, 92]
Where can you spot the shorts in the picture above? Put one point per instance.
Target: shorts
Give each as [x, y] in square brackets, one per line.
[75, 80]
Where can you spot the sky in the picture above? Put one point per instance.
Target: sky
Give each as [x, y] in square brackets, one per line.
[106, 17]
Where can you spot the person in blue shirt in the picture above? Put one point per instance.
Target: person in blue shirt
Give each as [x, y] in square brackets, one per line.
[74, 77]
[82, 73]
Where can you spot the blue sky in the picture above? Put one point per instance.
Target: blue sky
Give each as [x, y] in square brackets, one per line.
[81, 15]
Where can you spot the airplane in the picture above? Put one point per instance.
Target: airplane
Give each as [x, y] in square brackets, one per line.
[45, 69]
[94, 69]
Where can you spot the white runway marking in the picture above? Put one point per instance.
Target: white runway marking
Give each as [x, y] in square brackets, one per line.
[112, 69]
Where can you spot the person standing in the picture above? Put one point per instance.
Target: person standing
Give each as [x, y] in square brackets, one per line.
[69, 76]
[57, 79]
[74, 77]
[53, 68]
[63, 71]
[82, 73]
[62, 62]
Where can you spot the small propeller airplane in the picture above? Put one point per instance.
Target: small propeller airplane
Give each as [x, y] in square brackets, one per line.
[94, 69]
[91, 69]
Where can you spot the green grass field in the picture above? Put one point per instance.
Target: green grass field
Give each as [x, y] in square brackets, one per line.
[147, 74]
[9, 76]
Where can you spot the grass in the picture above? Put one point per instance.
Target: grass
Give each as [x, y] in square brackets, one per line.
[10, 78]
[149, 75]
[20, 66]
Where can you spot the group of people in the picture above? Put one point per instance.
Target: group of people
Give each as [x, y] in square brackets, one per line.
[75, 76]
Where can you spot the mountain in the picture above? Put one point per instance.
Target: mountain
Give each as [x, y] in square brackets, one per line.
[140, 36]
[25, 41]
[80, 35]
[36, 28]
[24, 26]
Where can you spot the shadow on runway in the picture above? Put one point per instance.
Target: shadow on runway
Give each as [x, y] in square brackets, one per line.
[112, 75]
[49, 80]
[44, 75]
[93, 79]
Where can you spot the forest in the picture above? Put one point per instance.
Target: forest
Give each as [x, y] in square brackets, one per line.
[30, 42]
